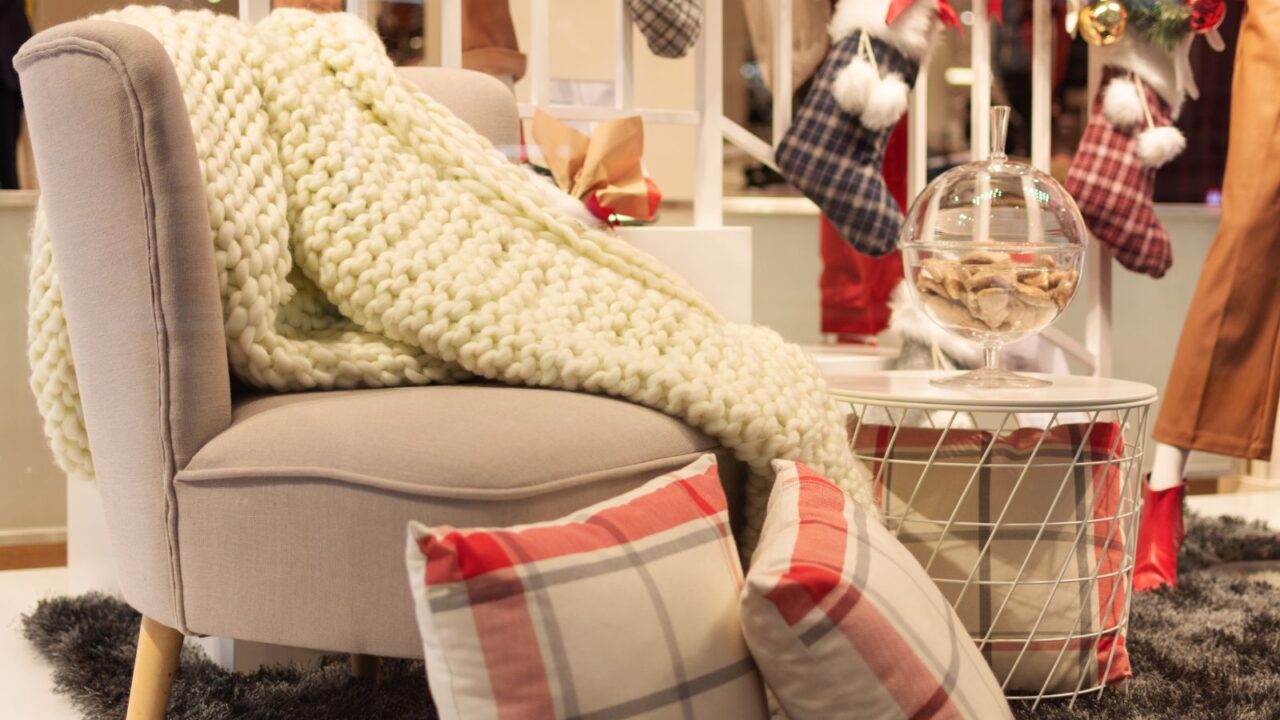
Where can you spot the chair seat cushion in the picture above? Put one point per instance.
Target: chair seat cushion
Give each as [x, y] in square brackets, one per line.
[291, 522]
[453, 441]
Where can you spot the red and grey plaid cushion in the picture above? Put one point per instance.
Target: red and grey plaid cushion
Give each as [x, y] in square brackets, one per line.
[626, 609]
[1057, 628]
[844, 622]
[1114, 188]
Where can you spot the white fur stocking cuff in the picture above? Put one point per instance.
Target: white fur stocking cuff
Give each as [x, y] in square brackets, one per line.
[911, 33]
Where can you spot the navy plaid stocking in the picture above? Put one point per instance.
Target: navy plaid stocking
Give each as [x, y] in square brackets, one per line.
[835, 160]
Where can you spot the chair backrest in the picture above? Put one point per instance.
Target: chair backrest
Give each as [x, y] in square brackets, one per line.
[483, 101]
[126, 208]
[125, 202]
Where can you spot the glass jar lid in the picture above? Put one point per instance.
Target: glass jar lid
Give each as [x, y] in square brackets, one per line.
[996, 204]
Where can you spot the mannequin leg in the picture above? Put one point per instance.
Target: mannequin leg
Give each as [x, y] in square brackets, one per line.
[1169, 466]
[1221, 394]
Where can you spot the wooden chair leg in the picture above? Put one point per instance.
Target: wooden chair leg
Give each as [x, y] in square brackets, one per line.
[153, 667]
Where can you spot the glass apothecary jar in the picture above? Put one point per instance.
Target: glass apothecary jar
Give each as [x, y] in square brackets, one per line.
[993, 252]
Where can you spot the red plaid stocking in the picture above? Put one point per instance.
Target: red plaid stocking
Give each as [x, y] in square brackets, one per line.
[1113, 174]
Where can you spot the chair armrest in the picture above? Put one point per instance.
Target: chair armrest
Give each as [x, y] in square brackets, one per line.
[126, 209]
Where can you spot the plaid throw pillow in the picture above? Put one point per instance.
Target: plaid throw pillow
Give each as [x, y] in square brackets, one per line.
[840, 616]
[1046, 484]
[835, 160]
[628, 608]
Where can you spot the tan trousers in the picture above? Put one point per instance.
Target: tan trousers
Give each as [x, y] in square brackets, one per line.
[1225, 383]
[489, 39]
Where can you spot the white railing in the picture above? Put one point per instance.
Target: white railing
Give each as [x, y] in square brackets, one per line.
[713, 127]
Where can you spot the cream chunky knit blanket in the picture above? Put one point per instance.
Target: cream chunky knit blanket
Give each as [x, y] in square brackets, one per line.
[366, 237]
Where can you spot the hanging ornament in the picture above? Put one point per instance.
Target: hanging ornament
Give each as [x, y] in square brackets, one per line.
[1206, 15]
[1103, 22]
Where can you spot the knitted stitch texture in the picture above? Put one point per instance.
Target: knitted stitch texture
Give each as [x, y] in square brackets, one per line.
[366, 237]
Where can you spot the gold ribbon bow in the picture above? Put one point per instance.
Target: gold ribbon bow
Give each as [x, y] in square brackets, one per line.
[606, 164]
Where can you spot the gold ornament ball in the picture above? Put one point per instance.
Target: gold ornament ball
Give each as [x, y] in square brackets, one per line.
[1102, 23]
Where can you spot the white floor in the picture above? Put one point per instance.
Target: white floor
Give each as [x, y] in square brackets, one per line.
[25, 683]
[27, 688]
[1264, 506]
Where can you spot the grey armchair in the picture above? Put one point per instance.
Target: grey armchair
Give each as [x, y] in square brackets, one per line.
[272, 518]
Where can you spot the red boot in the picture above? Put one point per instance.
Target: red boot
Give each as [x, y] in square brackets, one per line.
[1160, 536]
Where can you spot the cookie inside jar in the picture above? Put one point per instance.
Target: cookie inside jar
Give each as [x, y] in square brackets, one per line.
[996, 292]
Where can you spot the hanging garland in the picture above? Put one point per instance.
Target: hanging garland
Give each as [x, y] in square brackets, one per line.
[1160, 22]
[1163, 23]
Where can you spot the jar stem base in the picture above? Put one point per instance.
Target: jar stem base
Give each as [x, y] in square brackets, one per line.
[989, 378]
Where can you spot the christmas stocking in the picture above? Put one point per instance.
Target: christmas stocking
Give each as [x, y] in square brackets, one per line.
[1112, 177]
[834, 150]
[670, 27]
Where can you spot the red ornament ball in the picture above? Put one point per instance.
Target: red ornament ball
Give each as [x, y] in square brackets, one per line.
[1206, 14]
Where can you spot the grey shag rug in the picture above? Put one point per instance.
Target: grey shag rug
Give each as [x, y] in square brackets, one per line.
[90, 640]
[1209, 649]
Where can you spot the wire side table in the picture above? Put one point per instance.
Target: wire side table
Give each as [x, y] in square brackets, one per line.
[1022, 505]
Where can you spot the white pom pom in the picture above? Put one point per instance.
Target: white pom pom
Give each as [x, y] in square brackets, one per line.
[887, 103]
[853, 85]
[1159, 145]
[1121, 104]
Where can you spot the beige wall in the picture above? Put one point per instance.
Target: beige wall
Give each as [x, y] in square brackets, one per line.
[47, 13]
[32, 490]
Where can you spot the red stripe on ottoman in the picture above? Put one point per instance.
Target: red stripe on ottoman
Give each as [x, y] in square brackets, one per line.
[1106, 441]
[1093, 451]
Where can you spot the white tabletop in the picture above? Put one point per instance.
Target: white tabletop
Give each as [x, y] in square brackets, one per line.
[911, 388]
